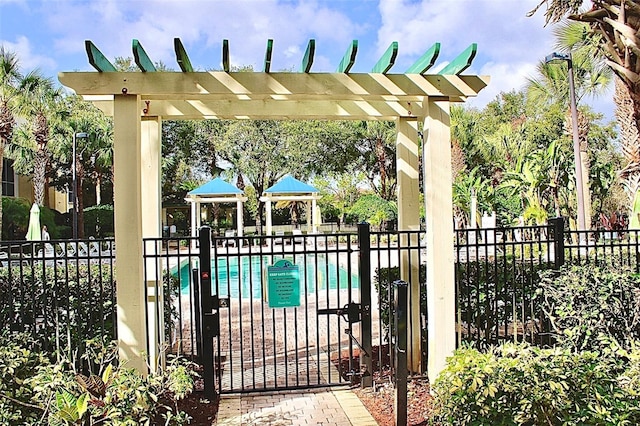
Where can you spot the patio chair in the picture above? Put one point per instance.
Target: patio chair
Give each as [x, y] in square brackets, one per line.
[230, 234]
[297, 237]
[279, 238]
[48, 254]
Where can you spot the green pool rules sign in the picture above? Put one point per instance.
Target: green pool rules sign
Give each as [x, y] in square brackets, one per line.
[283, 284]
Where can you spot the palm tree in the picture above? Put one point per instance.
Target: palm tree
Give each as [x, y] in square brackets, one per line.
[591, 78]
[10, 78]
[377, 149]
[43, 105]
[612, 26]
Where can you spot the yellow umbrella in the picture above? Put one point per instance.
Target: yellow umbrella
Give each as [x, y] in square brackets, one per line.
[33, 232]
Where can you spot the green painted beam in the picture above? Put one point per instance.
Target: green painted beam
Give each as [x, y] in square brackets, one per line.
[267, 55]
[97, 59]
[349, 58]
[141, 57]
[461, 62]
[426, 61]
[307, 61]
[225, 55]
[181, 56]
[387, 60]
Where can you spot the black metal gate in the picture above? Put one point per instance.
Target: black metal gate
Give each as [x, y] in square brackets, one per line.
[321, 338]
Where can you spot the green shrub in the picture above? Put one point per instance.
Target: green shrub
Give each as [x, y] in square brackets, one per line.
[59, 307]
[98, 221]
[33, 391]
[590, 305]
[518, 384]
[17, 364]
[488, 292]
[383, 279]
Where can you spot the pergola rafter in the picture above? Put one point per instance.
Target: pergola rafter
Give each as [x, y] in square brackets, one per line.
[139, 102]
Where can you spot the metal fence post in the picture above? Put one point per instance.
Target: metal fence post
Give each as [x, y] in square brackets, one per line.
[400, 322]
[197, 300]
[207, 312]
[558, 241]
[364, 272]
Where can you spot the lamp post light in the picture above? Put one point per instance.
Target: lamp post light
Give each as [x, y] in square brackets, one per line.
[555, 56]
[79, 135]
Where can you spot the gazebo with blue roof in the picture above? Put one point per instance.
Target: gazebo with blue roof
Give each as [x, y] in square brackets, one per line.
[291, 189]
[215, 191]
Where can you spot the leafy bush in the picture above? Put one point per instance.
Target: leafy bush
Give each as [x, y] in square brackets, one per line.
[33, 391]
[488, 293]
[518, 384]
[383, 279]
[98, 221]
[17, 364]
[590, 305]
[59, 307]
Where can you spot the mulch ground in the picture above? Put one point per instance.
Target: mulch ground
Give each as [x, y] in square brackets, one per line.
[380, 399]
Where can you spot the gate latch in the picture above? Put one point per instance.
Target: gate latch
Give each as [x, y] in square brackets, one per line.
[351, 312]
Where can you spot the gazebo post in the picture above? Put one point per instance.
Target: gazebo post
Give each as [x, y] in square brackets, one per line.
[239, 221]
[194, 226]
[267, 205]
[150, 174]
[314, 216]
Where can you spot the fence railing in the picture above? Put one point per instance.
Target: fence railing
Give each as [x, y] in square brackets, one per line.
[62, 292]
[59, 292]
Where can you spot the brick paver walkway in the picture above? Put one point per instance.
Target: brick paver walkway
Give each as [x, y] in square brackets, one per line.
[325, 407]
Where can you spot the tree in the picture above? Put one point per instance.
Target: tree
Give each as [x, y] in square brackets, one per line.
[44, 110]
[613, 25]
[375, 210]
[339, 191]
[10, 77]
[591, 78]
[378, 156]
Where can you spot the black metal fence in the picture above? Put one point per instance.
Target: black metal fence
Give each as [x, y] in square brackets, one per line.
[59, 292]
[62, 292]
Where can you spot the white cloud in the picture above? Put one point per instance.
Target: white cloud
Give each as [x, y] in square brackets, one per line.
[29, 60]
[202, 25]
[505, 77]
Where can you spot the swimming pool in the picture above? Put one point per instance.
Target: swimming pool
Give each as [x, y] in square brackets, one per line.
[242, 276]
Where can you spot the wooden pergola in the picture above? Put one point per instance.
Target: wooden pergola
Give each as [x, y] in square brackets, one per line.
[418, 102]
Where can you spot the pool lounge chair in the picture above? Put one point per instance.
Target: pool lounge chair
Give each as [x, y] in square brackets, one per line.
[297, 237]
[279, 238]
[230, 234]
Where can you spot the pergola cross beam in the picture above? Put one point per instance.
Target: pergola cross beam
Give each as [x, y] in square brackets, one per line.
[387, 59]
[141, 58]
[461, 62]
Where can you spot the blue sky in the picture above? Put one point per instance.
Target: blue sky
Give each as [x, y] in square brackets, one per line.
[50, 34]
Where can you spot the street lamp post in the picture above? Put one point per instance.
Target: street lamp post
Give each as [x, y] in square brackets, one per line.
[576, 137]
[80, 135]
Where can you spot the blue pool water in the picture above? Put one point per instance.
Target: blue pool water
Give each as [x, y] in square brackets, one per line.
[244, 276]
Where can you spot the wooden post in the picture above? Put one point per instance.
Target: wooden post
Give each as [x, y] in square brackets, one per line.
[439, 213]
[407, 151]
[132, 333]
[151, 205]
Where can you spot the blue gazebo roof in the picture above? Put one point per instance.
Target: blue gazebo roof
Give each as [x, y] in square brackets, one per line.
[291, 185]
[216, 186]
